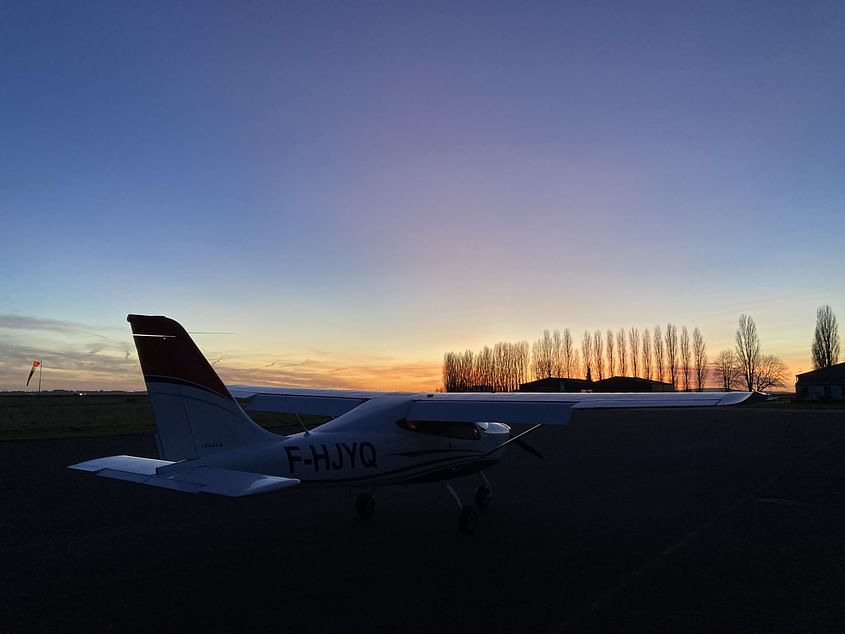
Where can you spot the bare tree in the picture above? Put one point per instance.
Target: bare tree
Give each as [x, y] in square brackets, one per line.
[549, 348]
[450, 379]
[634, 346]
[770, 373]
[508, 369]
[520, 364]
[659, 357]
[501, 359]
[672, 353]
[826, 339]
[686, 357]
[568, 354]
[598, 354]
[542, 362]
[458, 371]
[547, 356]
[507, 366]
[510, 366]
[468, 369]
[622, 352]
[747, 350]
[646, 355]
[726, 369]
[488, 365]
[557, 354]
[587, 354]
[611, 354]
[700, 357]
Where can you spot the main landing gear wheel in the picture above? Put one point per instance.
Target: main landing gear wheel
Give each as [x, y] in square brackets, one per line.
[467, 520]
[365, 506]
[483, 495]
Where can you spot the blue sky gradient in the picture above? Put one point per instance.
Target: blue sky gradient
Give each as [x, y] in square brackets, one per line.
[370, 184]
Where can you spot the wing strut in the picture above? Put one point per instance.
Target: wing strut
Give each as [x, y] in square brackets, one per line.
[295, 413]
[521, 443]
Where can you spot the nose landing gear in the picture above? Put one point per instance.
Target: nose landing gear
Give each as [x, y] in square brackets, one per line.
[467, 515]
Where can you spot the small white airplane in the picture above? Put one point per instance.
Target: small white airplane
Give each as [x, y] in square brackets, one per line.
[208, 444]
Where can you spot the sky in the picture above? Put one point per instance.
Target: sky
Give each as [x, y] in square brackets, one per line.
[336, 193]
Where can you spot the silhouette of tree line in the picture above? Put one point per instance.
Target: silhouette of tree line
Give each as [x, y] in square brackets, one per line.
[658, 355]
[498, 369]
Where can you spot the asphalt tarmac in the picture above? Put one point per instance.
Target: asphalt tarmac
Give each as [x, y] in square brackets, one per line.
[704, 520]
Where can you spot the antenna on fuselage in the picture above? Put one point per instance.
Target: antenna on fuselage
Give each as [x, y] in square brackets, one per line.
[307, 433]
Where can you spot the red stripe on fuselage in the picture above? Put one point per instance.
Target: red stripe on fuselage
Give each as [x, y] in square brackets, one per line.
[442, 465]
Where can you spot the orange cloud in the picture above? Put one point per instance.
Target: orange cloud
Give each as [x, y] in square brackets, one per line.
[412, 376]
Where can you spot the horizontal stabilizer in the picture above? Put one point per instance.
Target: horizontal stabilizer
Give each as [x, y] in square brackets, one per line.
[191, 478]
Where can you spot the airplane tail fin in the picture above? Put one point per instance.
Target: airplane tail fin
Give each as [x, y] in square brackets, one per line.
[194, 413]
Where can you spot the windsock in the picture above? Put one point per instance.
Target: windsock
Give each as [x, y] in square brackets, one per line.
[35, 364]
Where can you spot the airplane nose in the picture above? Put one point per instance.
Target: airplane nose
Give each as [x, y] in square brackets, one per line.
[495, 430]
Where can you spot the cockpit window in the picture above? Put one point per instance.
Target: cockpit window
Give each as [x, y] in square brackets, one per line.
[462, 431]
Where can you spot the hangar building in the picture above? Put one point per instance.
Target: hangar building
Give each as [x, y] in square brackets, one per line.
[824, 384]
[612, 384]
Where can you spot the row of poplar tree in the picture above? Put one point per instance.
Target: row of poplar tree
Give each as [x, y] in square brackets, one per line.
[662, 355]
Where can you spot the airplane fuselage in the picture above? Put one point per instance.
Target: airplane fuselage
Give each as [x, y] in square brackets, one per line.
[404, 455]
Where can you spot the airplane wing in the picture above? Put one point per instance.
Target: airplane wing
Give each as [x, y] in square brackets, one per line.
[297, 400]
[554, 408]
[505, 407]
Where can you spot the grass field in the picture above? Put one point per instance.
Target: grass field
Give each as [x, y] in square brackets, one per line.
[32, 417]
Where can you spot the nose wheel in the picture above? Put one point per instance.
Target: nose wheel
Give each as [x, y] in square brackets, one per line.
[467, 520]
[483, 493]
[365, 506]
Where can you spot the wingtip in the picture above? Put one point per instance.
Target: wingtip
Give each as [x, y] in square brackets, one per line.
[743, 398]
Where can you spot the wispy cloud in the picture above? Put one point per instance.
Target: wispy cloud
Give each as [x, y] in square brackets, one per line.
[77, 356]
[30, 323]
[71, 365]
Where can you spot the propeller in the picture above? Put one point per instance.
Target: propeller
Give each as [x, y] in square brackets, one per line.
[524, 445]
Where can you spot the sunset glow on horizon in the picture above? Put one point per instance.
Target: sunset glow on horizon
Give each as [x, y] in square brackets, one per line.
[350, 190]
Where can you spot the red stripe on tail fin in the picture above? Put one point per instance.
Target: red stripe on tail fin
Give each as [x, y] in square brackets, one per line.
[166, 351]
